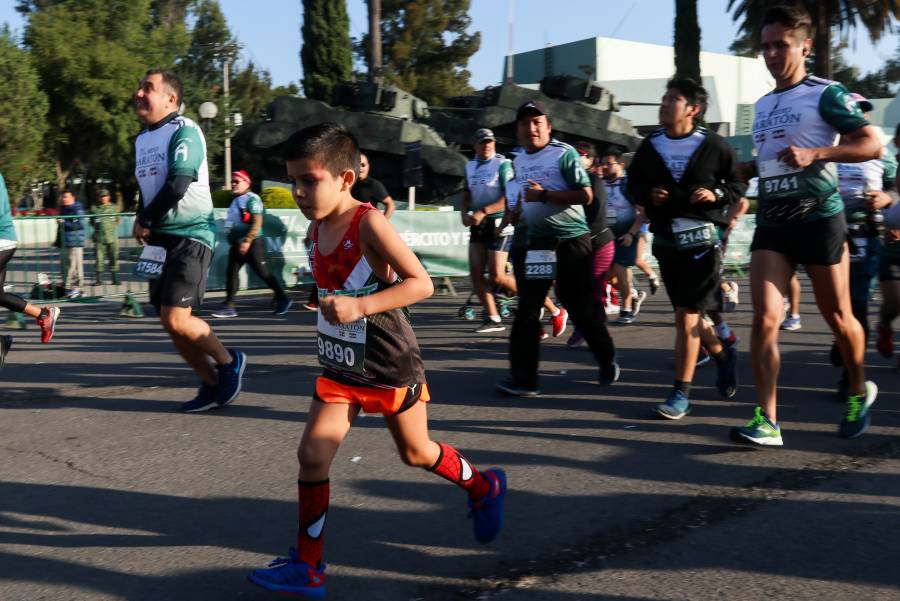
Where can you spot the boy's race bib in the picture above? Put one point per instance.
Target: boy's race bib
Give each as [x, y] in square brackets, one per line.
[342, 346]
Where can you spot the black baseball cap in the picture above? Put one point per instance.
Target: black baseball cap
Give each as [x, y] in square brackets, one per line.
[533, 107]
[484, 134]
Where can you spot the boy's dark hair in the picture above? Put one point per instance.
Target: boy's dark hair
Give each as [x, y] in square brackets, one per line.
[329, 144]
[692, 91]
[792, 17]
[586, 148]
[171, 80]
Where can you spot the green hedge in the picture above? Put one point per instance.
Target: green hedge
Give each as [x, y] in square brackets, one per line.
[278, 198]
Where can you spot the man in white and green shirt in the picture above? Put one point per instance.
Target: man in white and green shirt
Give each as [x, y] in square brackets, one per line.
[484, 200]
[243, 228]
[555, 187]
[800, 220]
[175, 224]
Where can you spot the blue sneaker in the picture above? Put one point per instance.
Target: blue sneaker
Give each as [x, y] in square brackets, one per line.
[487, 513]
[225, 312]
[726, 377]
[857, 419]
[282, 305]
[290, 576]
[205, 399]
[675, 407]
[230, 377]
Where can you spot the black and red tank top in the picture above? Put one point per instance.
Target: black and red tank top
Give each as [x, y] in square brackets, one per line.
[392, 355]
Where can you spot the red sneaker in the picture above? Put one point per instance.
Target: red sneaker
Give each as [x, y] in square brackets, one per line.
[559, 322]
[885, 341]
[47, 322]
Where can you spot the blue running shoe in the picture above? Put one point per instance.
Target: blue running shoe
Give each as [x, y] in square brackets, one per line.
[225, 312]
[290, 576]
[726, 376]
[230, 377]
[487, 513]
[857, 419]
[205, 399]
[282, 305]
[675, 407]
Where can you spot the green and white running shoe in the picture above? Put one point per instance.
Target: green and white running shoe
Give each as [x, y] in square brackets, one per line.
[857, 419]
[759, 431]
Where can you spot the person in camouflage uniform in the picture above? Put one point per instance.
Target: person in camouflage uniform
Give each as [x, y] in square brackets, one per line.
[106, 239]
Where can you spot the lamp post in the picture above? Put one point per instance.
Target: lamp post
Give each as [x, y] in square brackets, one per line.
[208, 111]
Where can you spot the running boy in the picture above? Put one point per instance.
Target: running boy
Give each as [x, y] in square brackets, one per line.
[366, 276]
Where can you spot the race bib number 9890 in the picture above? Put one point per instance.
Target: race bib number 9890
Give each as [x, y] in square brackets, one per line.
[342, 346]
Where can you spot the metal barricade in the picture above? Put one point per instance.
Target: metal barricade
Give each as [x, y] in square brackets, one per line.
[38, 271]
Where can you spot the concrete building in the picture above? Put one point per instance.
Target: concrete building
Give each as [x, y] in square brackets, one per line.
[637, 72]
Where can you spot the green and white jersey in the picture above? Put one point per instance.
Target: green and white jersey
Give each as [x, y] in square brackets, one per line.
[240, 215]
[556, 166]
[7, 229]
[810, 114]
[177, 147]
[854, 179]
[486, 180]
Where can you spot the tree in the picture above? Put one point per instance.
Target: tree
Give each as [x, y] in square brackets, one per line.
[687, 40]
[84, 51]
[326, 55]
[845, 15]
[426, 46]
[23, 113]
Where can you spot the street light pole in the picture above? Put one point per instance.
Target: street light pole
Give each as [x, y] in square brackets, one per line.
[225, 74]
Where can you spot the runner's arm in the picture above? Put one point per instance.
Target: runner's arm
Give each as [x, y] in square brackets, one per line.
[379, 238]
[172, 191]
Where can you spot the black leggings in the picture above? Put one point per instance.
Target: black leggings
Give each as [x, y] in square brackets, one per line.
[256, 259]
[10, 301]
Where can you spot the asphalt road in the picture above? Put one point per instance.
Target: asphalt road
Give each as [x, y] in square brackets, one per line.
[107, 492]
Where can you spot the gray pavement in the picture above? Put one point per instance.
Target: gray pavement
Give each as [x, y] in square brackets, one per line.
[107, 492]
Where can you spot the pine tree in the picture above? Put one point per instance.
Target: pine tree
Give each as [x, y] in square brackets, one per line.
[687, 40]
[326, 55]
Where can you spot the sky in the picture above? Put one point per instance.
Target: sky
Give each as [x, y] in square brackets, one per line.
[270, 30]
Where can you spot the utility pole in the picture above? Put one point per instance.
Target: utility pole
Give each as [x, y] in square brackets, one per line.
[375, 41]
[225, 76]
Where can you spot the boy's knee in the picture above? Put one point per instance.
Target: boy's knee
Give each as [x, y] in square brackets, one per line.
[414, 457]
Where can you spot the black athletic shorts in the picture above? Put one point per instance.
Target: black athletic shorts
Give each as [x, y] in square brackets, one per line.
[183, 279]
[819, 242]
[692, 277]
[483, 233]
[890, 269]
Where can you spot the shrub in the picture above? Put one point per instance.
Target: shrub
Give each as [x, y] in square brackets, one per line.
[278, 198]
[222, 198]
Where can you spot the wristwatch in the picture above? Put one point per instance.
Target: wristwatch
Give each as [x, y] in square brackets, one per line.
[719, 194]
[542, 197]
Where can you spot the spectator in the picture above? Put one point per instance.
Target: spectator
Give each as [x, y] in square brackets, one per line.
[71, 240]
[370, 190]
[106, 237]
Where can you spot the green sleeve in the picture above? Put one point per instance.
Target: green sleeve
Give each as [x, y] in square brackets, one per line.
[255, 205]
[839, 110]
[185, 152]
[572, 171]
[890, 171]
[506, 172]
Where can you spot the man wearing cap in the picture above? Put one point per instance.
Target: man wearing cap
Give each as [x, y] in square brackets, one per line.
[555, 187]
[106, 237]
[866, 189]
[482, 210]
[370, 190]
[243, 226]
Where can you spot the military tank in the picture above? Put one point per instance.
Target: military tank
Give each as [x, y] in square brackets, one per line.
[579, 110]
[388, 122]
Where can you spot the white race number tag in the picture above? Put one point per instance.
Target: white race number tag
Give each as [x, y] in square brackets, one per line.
[693, 233]
[150, 264]
[540, 265]
[342, 346]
